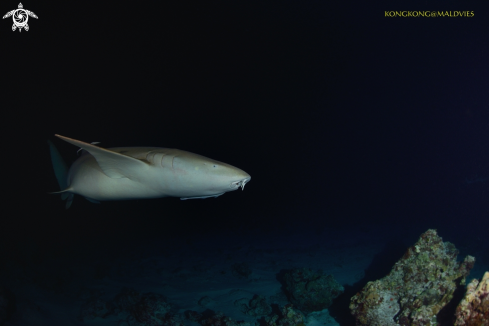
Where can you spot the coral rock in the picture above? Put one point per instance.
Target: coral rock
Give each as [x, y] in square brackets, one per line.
[311, 291]
[473, 310]
[219, 319]
[417, 288]
[257, 306]
[287, 317]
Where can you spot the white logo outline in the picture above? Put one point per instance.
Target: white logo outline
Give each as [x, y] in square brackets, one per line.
[20, 16]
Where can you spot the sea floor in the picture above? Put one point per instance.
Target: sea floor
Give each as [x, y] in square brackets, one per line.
[52, 289]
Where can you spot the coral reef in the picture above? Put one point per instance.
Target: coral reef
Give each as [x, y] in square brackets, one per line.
[417, 288]
[222, 320]
[150, 309]
[287, 317]
[257, 306]
[473, 310]
[310, 291]
[210, 318]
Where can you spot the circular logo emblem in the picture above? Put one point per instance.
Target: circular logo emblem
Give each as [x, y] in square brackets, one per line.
[20, 17]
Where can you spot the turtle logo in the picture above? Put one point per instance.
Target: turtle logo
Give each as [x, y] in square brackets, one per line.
[20, 17]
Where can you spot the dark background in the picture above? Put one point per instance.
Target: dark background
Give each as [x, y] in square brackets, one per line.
[340, 115]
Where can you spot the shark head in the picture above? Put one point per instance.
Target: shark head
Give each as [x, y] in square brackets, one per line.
[208, 177]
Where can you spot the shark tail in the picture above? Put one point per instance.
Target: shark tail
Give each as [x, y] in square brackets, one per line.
[61, 172]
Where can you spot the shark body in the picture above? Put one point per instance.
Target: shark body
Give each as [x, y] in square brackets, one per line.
[122, 173]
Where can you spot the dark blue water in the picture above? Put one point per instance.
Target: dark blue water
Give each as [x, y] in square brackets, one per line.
[344, 119]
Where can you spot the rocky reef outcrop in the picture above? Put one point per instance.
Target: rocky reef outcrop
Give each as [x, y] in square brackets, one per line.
[286, 317]
[473, 310]
[419, 285]
[257, 306]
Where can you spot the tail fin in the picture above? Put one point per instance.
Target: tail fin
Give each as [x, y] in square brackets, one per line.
[61, 172]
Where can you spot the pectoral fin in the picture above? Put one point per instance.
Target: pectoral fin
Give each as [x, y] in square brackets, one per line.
[92, 200]
[200, 197]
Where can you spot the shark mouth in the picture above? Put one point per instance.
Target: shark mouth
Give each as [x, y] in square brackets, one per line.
[241, 183]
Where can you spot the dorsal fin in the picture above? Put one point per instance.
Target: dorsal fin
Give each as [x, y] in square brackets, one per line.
[93, 143]
[113, 164]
